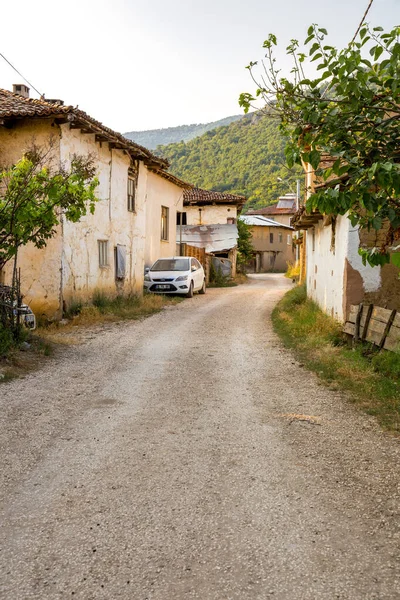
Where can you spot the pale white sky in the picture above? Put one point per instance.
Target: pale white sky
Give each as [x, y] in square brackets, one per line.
[139, 65]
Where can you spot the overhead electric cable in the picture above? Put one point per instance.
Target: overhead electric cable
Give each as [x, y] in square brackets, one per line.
[20, 74]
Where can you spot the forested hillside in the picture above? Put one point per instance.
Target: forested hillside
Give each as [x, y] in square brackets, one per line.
[245, 157]
[170, 135]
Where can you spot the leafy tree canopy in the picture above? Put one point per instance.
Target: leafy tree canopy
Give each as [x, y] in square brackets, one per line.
[349, 110]
[33, 195]
[246, 158]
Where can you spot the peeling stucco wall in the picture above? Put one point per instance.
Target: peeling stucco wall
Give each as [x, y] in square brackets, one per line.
[336, 276]
[161, 192]
[82, 274]
[212, 214]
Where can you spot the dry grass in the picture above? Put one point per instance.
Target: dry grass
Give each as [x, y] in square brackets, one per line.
[372, 378]
[103, 310]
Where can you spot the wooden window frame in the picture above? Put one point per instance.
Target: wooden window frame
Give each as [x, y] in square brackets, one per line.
[131, 194]
[164, 223]
[103, 254]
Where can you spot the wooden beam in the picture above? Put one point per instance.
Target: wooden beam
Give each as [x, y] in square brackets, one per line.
[117, 146]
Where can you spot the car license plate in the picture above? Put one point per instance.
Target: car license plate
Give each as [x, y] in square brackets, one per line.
[163, 286]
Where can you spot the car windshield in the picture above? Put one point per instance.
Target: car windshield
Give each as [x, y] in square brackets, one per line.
[171, 264]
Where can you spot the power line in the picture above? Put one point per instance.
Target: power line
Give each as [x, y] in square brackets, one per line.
[362, 21]
[20, 74]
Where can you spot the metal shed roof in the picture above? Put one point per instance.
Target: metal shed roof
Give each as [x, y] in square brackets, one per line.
[259, 220]
[214, 238]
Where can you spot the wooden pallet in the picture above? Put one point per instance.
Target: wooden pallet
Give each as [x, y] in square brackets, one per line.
[374, 324]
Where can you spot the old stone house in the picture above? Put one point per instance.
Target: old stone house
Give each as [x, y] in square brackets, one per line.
[272, 243]
[335, 275]
[134, 221]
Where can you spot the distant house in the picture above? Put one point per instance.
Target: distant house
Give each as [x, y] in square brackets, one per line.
[205, 207]
[208, 221]
[272, 243]
[134, 220]
[282, 211]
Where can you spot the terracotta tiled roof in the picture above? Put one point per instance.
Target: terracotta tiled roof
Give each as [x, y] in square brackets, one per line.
[199, 196]
[15, 106]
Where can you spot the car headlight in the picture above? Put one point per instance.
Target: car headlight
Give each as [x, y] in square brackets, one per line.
[181, 278]
[147, 277]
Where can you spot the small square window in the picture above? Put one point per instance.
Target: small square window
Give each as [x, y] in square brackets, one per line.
[164, 223]
[103, 253]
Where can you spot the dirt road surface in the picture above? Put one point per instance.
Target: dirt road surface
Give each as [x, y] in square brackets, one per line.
[156, 461]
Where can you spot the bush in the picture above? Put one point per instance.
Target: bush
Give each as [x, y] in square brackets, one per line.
[6, 340]
[293, 270]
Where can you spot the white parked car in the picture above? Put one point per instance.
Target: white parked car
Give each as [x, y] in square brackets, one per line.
[177, 275]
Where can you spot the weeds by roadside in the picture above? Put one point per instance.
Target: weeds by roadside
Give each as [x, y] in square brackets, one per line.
[293, 270]
[372, 378]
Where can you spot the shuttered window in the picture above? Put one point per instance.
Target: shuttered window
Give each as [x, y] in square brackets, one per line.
[103, 253]
[131, 194]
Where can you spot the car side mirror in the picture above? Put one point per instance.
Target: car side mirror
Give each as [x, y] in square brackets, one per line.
[147, 269]
[193, 268]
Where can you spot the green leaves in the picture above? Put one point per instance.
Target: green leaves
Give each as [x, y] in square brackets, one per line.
[349, 114]
[32, 196]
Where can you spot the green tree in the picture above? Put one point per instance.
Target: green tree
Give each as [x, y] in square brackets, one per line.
[34, 195]
[245, 245]
[349, 111]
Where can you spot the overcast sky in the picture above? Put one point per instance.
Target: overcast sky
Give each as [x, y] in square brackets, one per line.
[137, 64]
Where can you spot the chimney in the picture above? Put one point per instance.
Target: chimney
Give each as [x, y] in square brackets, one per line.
[21, 89]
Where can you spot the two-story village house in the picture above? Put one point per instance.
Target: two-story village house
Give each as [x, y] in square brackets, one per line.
[134, 221]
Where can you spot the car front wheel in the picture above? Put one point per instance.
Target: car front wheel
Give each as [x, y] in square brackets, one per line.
[202, 290]
[190, 292]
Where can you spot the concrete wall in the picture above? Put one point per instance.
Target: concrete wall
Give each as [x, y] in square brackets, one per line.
[212, 214]
[160, 192]
[40, 269]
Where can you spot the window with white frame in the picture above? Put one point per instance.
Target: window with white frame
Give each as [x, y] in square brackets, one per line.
[164, 223]
[103, 253]
[289, 239]
[131, 194]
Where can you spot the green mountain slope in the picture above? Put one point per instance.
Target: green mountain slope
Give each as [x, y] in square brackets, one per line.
[245, 157]
[155, 137]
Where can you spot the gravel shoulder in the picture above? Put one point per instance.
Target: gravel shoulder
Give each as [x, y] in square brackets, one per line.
[166, 459]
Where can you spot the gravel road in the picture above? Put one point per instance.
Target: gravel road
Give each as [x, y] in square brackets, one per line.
[156, 461]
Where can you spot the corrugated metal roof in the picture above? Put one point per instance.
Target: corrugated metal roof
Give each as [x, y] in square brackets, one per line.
[214, 238]
[261, 221]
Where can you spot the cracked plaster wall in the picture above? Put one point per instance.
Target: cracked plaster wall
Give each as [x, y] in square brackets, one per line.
[111, 222]
[336, 277]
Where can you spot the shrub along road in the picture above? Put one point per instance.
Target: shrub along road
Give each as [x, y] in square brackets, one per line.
[190, 456]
